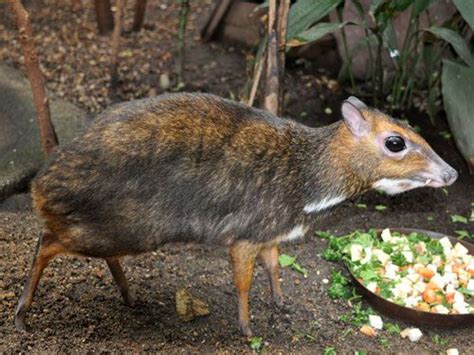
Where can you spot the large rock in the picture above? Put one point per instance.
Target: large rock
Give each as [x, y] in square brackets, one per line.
[20, 149]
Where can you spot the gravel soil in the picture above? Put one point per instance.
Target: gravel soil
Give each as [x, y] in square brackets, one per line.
[77, 307]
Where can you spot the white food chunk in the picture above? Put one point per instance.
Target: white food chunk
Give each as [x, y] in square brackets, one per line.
[458, 297]
[432, 267]
[413, 277]
[356, 252]
[414, 334]
[461, 307]
[386, 235]
[470, 285]
[419, 287]
[375, 321]
[408, 256]
[438, 280]
[449, 277]
[445, 243]
[391, 271]
[452, 351]
[441, 309]
[412, 301]
[460, 250]
[372, 286]
[382, 256]
[367, 257]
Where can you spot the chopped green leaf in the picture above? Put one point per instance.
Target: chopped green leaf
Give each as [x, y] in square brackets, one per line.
[392, 328]
[446, 135]
[381, 208]
[361, 205]
[458, 219]
[462, 234]
[439, 340]
[256, 343]
[323, 234]
[285, 260]
[330, 351]
[430, 218]
[339, 288]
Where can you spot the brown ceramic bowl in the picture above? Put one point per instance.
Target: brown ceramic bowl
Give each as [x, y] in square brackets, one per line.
[411, 315]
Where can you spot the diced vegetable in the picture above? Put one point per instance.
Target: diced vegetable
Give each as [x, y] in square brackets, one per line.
[412, 270]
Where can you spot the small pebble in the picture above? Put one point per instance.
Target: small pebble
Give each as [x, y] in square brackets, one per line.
[325, 281]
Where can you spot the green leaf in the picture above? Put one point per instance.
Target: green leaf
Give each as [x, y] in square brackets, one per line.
[462, 234]
[361, 205]
[285, 260]
[256, 343]
[421, 5]
[466, 8]
[458, 85]
[381, 208]
[297, 267]
[330, 351]
[305, 13]
[456, 41]
[392, 328]
[455, 218]
[314, 33]
[446, 135]
[323, 234]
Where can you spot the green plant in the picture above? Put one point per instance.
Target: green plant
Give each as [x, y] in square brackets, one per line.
[290, 261]
[417, 57]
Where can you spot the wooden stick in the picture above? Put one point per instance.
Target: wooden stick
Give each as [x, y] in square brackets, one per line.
[282, 24]
[104, 16]
[139, 16]
[272, 82]
[116, 41]
[183, 19]
[48, 136]
[256, 79]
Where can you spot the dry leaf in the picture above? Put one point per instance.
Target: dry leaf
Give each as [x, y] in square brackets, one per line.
[188, 307]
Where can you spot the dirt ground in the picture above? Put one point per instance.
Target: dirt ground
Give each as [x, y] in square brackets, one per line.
[77, 307]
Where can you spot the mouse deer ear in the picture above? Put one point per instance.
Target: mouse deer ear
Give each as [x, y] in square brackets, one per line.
[353, 117]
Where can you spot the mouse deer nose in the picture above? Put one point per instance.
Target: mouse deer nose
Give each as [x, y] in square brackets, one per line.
[449, 176]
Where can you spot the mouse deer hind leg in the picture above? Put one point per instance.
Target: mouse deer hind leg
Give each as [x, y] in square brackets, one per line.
[120, 279]
[46, 249]
[269, 257]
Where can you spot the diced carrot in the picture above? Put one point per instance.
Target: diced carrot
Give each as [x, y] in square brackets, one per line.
[425, 272]
[429, 295]
[456, 267]
[368, 330]
[422, 306]
[439, 298]
[377, 291]
[471, 271]
[450, 297]
[432, 286]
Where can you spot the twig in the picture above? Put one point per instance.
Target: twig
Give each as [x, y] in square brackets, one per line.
[272, 83]
[256, 80]
[183, 19]
[139, 16]
[47, 133]
[116, 42]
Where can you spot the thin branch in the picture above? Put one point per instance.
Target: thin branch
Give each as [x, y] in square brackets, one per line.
[282, 24]
[116, 41]
[272, 83]
[47, 134]
[256, 80]
[183, 19]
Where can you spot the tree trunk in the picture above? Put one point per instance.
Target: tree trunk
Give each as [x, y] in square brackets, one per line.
[116, 41]
[105, 19]
[47, 134]
[139, 16]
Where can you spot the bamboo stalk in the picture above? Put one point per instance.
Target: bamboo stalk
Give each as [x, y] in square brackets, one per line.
[116, 41]
[48, 136]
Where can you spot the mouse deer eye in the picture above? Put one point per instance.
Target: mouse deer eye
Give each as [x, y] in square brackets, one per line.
[395, 144]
